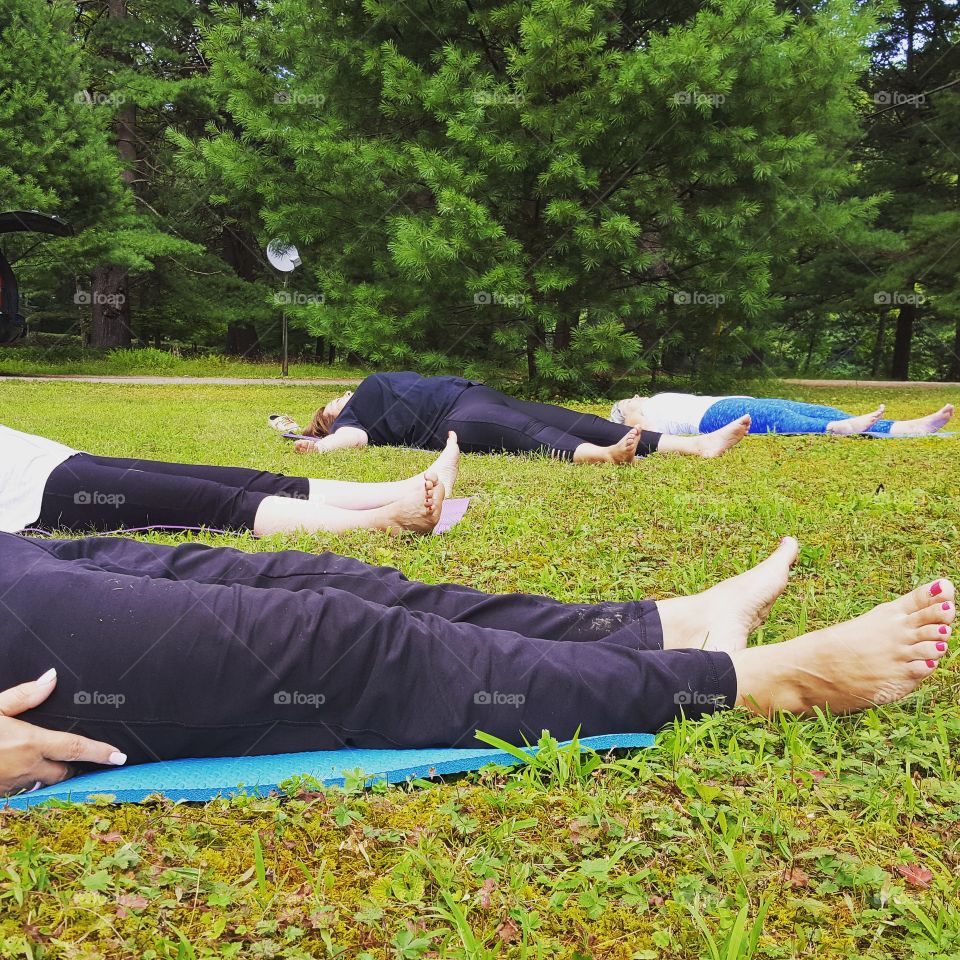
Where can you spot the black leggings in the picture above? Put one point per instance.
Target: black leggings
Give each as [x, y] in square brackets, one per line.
[170, 652]
[109, 493]
[487, 421]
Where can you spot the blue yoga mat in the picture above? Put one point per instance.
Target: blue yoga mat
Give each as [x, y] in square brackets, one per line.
[207, 778]
[942, 435]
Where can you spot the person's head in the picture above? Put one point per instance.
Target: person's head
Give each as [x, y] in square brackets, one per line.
[322, 420]
[628, 411]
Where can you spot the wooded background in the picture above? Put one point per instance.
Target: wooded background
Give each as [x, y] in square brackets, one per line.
[568, 191]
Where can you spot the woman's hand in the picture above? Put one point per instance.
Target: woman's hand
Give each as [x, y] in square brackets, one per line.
[306, 446]
[31, 756]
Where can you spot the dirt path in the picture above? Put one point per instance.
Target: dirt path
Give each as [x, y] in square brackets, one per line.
[876, 384]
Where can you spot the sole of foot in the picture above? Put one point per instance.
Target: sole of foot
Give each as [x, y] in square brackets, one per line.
[416, 512]
[854, 425]
[716, 444]
[625, 450]
[447, 465]
[924, 426]
[723, 617]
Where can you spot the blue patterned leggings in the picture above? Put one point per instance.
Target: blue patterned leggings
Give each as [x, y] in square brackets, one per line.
[778, 416]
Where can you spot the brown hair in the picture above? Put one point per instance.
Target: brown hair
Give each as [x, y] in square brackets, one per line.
[320, 424]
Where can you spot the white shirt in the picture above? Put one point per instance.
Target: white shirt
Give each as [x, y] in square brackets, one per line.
[26, 463]
[676, 413]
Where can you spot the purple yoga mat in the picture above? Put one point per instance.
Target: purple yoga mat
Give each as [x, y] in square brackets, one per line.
[451, 513]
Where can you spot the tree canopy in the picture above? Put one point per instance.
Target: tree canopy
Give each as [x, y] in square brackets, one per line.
[561, 191]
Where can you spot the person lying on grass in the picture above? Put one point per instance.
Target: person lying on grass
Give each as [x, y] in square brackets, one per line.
[686, 413]
[407, 410]
[46, 484]
[144, 652]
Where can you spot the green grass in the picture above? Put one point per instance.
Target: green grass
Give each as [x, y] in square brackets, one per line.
[150, 362]
[734, 838]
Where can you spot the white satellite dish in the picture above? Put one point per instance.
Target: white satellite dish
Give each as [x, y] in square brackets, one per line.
[283, 256]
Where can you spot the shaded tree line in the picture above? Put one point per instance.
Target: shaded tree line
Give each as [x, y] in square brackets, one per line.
[571, 191]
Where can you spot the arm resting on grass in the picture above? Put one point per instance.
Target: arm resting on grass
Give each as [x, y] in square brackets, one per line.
[342, 439]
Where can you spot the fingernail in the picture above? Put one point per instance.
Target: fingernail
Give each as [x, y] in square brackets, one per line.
[945, 605]
[117, 758]
[48, 677]
[936, 589]
[941, 646]
[944, 629]
[931, 663]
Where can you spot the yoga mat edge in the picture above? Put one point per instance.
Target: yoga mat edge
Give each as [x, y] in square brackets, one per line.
[208, 778]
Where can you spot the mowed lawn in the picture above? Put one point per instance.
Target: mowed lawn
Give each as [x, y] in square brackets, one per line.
[734, 837]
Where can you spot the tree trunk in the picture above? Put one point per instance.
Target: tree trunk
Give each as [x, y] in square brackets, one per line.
[879, 342]
[110, 319]
[900, 366]
[954, 372]
[240, 251]
[563, 335]
[532, 356]
[811, 343]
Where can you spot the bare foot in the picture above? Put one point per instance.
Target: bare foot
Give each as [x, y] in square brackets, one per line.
[723, 617]
[923, 426]
[623, 451]
[852, 425]
[447, 465]
[877, 658]
[716, 444]
[417, 511]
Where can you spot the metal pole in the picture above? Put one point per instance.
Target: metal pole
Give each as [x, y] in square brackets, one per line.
[286, 359]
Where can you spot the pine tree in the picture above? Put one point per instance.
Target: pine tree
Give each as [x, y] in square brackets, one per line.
[54, 152]
[911, 156]
[565, 184]
[188, 271]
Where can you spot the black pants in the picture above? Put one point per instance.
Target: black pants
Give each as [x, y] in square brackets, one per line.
[107, 493]
[169, 652]
[487, 421]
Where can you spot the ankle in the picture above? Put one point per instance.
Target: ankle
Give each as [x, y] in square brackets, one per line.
[772, 678]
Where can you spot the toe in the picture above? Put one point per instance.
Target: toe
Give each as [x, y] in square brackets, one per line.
[920, 669]
[938, 612]
[790, 549]
[931, 633]
[930, 594]
[929, 650]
